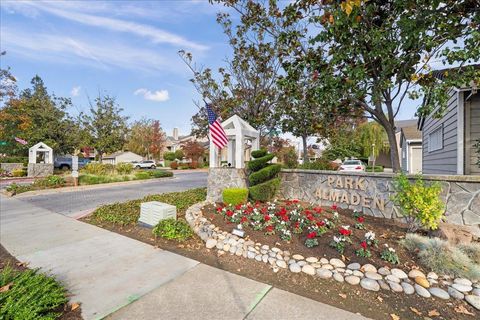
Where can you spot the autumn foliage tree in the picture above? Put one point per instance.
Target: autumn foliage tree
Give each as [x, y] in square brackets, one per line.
[146, 138]
[193, 150]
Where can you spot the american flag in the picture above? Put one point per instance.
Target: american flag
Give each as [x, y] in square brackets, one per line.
[21, 141]
[217, 134]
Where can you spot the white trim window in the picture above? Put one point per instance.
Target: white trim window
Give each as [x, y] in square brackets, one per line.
[435, 139]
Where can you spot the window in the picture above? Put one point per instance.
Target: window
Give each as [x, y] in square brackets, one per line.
[435, 139]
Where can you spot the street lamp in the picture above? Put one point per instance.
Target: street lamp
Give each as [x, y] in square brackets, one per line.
[373, 155]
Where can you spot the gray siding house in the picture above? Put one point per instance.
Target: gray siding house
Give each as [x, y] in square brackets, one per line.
[411, 150]
[448, 142]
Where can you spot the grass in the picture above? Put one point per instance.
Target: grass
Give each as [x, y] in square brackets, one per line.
[127, 213]
[30, 295]
[441, 257]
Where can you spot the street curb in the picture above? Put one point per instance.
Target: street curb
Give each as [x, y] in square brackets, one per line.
[87, 187]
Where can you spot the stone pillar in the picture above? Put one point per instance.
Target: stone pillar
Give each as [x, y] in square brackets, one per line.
[40, 169]
[222, 178]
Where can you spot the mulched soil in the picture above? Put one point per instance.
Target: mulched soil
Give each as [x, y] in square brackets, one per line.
[7, 259]
[376, 305]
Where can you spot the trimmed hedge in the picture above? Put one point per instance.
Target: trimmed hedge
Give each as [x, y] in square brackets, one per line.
[235, 196]
[257, 164]
[264, 174]
[259, 153]
[265, 191]
[377, 169]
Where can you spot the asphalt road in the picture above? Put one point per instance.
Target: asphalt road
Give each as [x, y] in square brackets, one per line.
[71, 203]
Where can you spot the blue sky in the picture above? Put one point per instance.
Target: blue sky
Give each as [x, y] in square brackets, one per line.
[125, 48]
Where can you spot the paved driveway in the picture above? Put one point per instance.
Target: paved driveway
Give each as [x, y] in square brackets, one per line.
[72, 202]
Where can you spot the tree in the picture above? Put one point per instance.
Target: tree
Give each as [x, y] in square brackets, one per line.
[35, 115]
[146, 138]
[193, 150]
[8, 83]
[380, 51]
[107, 125]
[369, 133]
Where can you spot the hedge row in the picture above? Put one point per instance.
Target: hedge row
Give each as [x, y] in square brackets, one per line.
[265, 191]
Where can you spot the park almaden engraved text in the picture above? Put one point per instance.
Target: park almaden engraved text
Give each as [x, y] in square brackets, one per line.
[352, 191]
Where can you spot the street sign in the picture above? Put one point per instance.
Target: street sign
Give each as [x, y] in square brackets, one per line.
[75, 163]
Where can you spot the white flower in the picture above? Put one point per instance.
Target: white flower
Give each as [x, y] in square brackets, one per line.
[337, 239]
[386, 245]
[335, 214]
[346, 227]
[370, 235]
[391, 249]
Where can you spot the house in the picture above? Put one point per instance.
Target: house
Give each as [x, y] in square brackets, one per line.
[175, 141]
[121, 156]
[411, 149]
[449, 141]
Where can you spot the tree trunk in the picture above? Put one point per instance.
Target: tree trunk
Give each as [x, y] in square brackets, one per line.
[392, 140]
[305, 149]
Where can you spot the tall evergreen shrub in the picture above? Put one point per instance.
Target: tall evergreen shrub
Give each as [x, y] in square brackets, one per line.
[263, 179]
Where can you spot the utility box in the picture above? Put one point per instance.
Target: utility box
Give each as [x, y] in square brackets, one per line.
[154, 211]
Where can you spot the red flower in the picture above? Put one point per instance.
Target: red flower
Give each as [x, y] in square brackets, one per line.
[238, 207]
[219, 209]
[321, 223]
[307, 212]
[310, 217]
[266, 217]
[285, 218]
[311, 235]
[244, 219]
[364, 244]
[295, 201]
[360, 219]
[264, 210]
[288, 203]
[345, 232]
[318, 209]
[269, 228]
[297, 225]
[282, 211]
[229, 213]
[334, 207]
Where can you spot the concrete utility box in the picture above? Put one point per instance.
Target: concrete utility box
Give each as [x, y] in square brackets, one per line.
[152, 212]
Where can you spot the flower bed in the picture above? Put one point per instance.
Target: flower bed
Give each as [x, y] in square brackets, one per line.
[347, 251]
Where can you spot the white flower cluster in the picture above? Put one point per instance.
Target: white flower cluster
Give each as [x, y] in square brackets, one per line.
[346, 227]
[389, 248]
[338, 239]
[370, 236]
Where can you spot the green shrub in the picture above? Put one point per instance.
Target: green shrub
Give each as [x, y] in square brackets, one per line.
[419, 202]
[264, 191]
[441, 257]
[259, 153]
[87, 179]
[124, 168]
[95, 168]
[161, 173]
[23, 160]
[172, 229]
[235, 196]
[377, 169]
[290, 158]
[18, 188]
[264, 174]
[127, 213]
[169, 156]
[142, 175]
[174, 165]
[472, 250]
[257, 164]
[50, 182]
[31, 296]
[19, 173]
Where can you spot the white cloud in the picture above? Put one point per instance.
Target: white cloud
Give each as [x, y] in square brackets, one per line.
[155, 34]
[75, 91]
[159, 95]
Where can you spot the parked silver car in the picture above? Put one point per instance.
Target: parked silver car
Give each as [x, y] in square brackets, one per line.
[145, 164]
[352, 166]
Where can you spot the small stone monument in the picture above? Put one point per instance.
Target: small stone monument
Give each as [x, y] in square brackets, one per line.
[40, 160]
[154, 211]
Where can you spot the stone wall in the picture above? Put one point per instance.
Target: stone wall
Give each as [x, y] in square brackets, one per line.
[371, 193]
[40, 169]
[221, 178]
[9, 167]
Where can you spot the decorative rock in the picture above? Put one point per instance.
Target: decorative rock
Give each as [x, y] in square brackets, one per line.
[258, 257]
[341, 270]
[463, 281]
[295, 268]
[353, 280]
[474, 301]
[272, 261]
[316, 265]
[263, 251]
[416, 273]
[392, 278]
[338, 277]
[250, 255]
[279, 256]
[358, 273]
[422, 292]
[383, 285]
[368, 267]
[265, 258]
[323, 260]
[432, 281]
[476, 292]
[407, 288]
[373, 275]
[311, 259]
[265, 247]
[400, 274]
[232, 250]
[219, 245]
[455, 294]
[432, 275]
[324, 273]
[439, 293]
[337, 263]
[239, 252]
[211, 243]
[282, 264]
[348, 272]
[461, 287]
[298, 257]
[328, 267]
[292, 261]
[370, 284]
[353, 266]
[384, 271]
[302, 263]
[396, 287]
[226, 247]
[272, 254]
[422, 281]
[308, 269]
[276, 250]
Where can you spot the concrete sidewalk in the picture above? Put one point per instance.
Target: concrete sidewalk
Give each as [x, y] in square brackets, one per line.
[116, 276]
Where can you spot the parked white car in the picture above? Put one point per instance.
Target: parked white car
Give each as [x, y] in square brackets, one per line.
[145, 164]
[352, 166]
